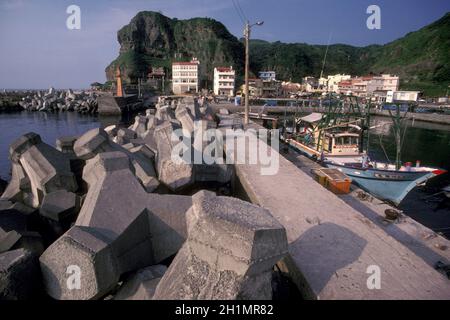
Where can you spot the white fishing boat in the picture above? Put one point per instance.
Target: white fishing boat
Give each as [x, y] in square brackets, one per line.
[340, 146]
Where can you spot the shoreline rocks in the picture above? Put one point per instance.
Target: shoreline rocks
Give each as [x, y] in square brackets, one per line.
[50, 101]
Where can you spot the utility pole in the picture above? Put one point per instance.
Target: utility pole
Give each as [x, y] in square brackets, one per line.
[247, 58]
[247, 32]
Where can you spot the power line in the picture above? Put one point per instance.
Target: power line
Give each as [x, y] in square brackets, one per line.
[238, 12]
[242, 11]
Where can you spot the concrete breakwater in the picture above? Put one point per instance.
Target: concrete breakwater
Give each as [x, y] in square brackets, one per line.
[51, 100]
[108, 215]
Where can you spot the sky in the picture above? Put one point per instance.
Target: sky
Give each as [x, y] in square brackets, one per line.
[37, 50]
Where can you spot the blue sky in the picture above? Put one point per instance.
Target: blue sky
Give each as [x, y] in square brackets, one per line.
[38, 51]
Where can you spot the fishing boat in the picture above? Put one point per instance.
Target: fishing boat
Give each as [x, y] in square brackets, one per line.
[339, 144]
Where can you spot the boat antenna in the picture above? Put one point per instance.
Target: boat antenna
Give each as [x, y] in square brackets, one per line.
[326, 53]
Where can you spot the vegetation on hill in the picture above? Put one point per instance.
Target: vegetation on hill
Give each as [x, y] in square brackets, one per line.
[421, 58]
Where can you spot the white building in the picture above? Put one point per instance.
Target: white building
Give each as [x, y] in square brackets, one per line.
[224, 78]
[333, 81]
[185, 77]
[406, 96]
[385, 82]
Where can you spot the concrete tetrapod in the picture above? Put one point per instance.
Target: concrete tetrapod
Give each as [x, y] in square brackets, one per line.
[19, 275]
[230, 250]
[97, 141]
[120, 228]
[187, 121]
[142, 284]
[174, 174]
[47, 168]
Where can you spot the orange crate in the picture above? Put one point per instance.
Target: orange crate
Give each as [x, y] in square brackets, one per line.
[334, 180]
[339, 187]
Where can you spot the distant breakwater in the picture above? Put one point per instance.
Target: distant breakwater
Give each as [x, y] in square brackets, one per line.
[51, 100]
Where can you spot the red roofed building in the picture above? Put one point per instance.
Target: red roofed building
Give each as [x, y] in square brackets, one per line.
[224, 81]
[185, 77]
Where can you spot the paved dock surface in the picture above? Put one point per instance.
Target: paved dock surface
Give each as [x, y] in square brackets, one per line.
[334, 242]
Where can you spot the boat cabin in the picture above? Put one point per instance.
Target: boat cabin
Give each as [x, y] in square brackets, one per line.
[341, 144]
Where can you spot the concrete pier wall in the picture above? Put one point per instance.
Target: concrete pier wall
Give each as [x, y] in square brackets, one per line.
[333, 248]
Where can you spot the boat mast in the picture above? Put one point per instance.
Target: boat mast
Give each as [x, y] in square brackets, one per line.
[397, 121]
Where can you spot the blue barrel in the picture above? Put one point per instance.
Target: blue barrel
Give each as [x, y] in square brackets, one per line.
[237, 101]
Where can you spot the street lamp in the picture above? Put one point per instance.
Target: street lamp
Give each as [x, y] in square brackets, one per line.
[247, 30]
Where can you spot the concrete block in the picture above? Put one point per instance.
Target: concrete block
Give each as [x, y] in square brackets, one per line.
[17, 206]
[84, 250]
[140, 125]
[60, 206]
[173, 174]
[120, 228]
[66, 144]
[115, 199]
[14, 233]
[221, 173]
[149, 140]
[187, 121]
[230, 250]
[18, 186]
[101, 255]
[112, 130]
[152, 122]
[91, 143]
[47, 169]
[145, 151]
[96, 141]
[164, 113]
[124, 136]
[142, 284]
[20, 277]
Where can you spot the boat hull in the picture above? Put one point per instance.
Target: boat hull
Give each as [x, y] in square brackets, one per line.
[392, 186]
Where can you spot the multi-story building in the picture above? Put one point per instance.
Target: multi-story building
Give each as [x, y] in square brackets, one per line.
[332, 82]
[185, 77]
[385, 82]
[271, 88]
[354, 86]
[259, 88]
[224, 79]
[368, 85]
[268, 75]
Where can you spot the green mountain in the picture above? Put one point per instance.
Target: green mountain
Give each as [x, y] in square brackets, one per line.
[154, 40]
[420, 58]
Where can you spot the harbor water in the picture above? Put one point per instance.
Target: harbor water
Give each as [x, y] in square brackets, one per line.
[50, 126]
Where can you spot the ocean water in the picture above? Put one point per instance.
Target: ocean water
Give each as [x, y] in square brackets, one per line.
[50, 126]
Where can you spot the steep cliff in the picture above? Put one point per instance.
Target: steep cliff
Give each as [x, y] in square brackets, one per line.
[153, 40]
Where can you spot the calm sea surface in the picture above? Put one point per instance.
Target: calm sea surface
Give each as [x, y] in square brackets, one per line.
[50, 126]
